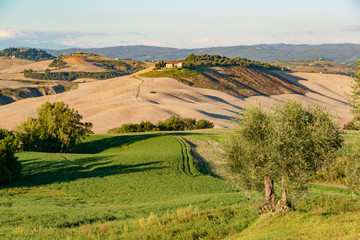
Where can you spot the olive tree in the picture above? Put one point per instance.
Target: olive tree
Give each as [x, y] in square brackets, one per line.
[56, 129]
[354, 99]
[283, 148]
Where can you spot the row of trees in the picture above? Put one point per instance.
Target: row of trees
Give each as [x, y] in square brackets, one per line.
[29, 54]
[69, 76]
[215, 60]
[171, 124]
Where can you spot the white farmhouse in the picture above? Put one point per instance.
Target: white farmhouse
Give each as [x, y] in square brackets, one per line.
[174, 65]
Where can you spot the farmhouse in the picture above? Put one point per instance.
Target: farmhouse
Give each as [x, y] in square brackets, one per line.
[174, 64]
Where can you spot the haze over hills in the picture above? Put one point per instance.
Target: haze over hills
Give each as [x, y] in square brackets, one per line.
[341, 53]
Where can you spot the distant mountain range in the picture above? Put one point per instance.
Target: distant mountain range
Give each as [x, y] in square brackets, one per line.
[341, 53]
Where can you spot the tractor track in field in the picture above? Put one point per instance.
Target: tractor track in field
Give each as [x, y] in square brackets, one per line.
[186, 165]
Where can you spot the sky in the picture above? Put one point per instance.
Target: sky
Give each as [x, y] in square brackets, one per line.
[59, 24]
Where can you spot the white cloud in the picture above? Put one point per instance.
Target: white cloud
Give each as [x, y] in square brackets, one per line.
[8, 33]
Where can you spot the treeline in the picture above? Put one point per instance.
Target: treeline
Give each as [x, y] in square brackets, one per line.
[69, 76]
[216, 60]
[170, 124]
[29, 54]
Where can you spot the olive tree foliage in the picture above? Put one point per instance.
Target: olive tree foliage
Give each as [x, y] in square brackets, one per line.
[56, 129]
[352, 168]
[10, 168]
[283, 148]
[354, 99]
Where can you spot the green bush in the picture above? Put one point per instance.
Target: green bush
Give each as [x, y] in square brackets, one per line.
[202, 124]
[56, 129]
[10, 168]
[171, 124]
[351, 126]
[58, 62]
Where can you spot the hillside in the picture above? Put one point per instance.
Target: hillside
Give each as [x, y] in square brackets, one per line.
[235, 80]
[85, 65]
[341, 53]
[237, 76]
[26, 53]
[147, 186]
[15, 85]
[130, 99]
[316, 66]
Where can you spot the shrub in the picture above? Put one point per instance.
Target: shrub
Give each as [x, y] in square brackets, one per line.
[10, 168]
[202, 124]
[170, 124]
[56, 129]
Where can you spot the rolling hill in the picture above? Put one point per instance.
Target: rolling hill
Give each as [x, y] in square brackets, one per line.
[132, 99]
[317, 66]
[14, 85]
[341, 53]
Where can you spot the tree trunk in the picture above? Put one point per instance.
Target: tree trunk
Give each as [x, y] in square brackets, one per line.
[282, 205]
[270, 201]
[284, 193]
[269, 189]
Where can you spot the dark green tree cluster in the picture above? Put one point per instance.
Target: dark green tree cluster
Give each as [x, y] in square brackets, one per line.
[58, 63]
[10, 168]
[70, 76]
[284, 148]
[57, 129]
[160, 65]
[170, 124]
[216, 60]
[29, 54]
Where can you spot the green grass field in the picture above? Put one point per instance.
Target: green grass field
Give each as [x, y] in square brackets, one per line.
[145, 186]
[107, 179]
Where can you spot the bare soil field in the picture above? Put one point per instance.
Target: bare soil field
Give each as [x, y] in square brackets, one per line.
[14, 84]
[18, 65]
[79, 64]
[110, 103]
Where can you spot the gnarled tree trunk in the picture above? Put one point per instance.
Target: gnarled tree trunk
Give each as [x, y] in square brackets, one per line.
[282, 205]
[270, 201]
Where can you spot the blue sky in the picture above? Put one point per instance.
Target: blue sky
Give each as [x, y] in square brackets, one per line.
[181, 24]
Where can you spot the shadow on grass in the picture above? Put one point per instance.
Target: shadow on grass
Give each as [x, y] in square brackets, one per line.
[98, 146]
[48, 172]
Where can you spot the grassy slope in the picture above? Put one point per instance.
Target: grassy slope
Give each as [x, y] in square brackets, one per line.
[239, 81]
[141, 186]
[108, 179]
